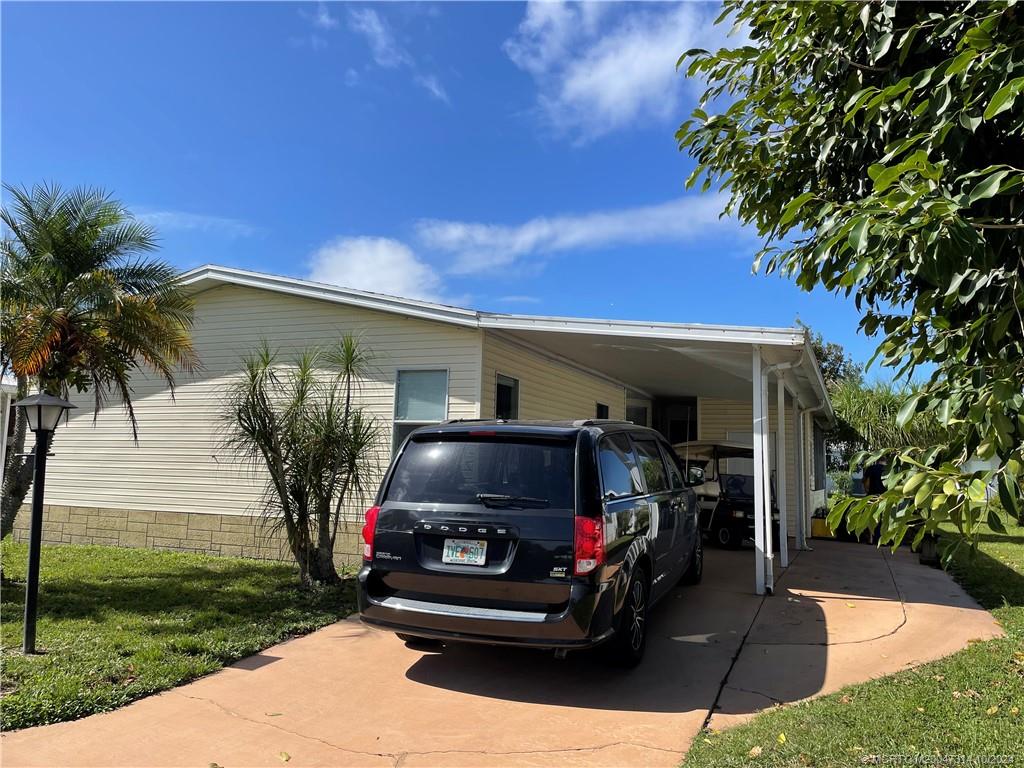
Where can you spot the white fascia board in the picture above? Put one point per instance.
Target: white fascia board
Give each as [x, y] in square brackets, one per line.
[324, 292]
[729, 334]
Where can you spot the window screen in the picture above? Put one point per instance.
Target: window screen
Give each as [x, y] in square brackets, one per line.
[619, 473]
[422, 396]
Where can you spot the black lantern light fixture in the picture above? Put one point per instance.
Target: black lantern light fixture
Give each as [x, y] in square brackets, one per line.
[43, 412]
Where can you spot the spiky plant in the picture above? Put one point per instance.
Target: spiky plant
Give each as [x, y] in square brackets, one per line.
[298, 427]
[83, 307]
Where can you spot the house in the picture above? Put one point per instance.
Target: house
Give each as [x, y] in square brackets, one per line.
[179, 487]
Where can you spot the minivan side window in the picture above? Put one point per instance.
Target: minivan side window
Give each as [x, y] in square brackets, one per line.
[619, 473]
[675, 473]
[651, 464]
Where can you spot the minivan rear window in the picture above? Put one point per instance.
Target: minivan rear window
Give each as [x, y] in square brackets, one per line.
[455, 471]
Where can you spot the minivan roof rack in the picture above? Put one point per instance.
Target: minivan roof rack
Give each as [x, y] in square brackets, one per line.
[470, 421]
[598, 422]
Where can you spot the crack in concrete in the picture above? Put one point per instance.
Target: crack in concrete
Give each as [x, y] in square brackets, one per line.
[755, 693]
[398, 758]
[276, 727]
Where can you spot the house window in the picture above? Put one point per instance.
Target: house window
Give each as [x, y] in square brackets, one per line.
[421, 397]
[601, 411]
[506, 398]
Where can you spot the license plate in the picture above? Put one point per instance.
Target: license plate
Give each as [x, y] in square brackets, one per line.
[464, 552]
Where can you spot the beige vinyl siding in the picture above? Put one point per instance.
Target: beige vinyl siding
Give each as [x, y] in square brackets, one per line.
[179, 464]
[548, 388]
[716, 418]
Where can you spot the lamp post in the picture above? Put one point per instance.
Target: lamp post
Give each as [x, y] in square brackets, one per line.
[43, 412]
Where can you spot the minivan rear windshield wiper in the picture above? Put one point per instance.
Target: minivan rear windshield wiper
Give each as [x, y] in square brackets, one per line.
[505, 500]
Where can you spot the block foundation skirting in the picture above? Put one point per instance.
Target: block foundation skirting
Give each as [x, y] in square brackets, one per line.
[212, 534]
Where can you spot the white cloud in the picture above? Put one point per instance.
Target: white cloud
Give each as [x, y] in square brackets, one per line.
[321, 18]
[351, 77]
[479, 247]
[181, 221]
[386, 50]
[389, 53]
[433, 87]
[598, 70]
[377, 264]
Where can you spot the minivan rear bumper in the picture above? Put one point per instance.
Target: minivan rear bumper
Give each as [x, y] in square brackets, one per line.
[586, 621]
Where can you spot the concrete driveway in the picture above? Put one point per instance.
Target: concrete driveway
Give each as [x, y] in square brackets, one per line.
[350, 696]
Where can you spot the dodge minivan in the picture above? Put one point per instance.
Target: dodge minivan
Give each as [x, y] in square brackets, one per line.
[546, 534]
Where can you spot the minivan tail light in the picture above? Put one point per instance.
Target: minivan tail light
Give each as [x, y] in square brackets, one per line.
[369, 528]
[589, 545]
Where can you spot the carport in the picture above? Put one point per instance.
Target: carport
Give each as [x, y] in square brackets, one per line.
[673, 360]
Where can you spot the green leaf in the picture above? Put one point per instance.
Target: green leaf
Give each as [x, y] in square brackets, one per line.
[961, 62]
[793, 208]
[994, 521]
[978, 38]
[881, 46]
[968, 122]
[1003, 98]
[859, 234]
[1009, 496]
[976, 491]
[908, 409]
[988, 188]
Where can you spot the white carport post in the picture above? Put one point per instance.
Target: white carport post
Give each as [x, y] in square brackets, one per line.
[759, 500]
[781, 466]
[766, 487]
[801, 480]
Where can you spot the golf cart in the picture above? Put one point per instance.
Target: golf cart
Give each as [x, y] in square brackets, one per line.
[722, 474]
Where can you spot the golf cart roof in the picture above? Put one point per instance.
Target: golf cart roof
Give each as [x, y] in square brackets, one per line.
[705, 450]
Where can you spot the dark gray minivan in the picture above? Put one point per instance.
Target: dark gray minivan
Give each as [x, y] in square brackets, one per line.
[546, 534]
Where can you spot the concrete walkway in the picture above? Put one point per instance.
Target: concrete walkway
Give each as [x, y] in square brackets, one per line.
[349, 696]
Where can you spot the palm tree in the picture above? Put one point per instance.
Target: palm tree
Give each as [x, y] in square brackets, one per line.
[83, 308]
[301, 430]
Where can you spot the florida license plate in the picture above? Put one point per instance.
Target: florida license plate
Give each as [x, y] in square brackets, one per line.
[464, 552]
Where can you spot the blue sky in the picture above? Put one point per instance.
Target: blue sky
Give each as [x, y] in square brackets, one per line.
[508, 157]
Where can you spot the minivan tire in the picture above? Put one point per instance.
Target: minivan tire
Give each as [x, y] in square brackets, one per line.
[630, 640]
[724, 538]
[695, 570]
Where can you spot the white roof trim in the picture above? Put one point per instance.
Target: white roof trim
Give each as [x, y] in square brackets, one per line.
[730, 334]
[202, 278]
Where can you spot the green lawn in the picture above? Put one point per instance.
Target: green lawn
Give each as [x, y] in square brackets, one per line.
[118, 624]
[968, 704]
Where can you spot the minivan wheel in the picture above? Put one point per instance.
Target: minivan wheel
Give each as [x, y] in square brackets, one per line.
[724, 538]
[695, 569]
[630, 640]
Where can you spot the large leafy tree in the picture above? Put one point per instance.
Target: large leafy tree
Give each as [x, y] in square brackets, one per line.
[877, 147]
[82, 307]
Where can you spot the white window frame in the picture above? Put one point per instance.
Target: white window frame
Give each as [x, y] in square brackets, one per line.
[395, 421]
[519, 387]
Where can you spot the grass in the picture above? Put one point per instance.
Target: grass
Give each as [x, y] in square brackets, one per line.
[967, 704]
[118, 624]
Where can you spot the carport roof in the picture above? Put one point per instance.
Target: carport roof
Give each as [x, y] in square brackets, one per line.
[655, 358]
